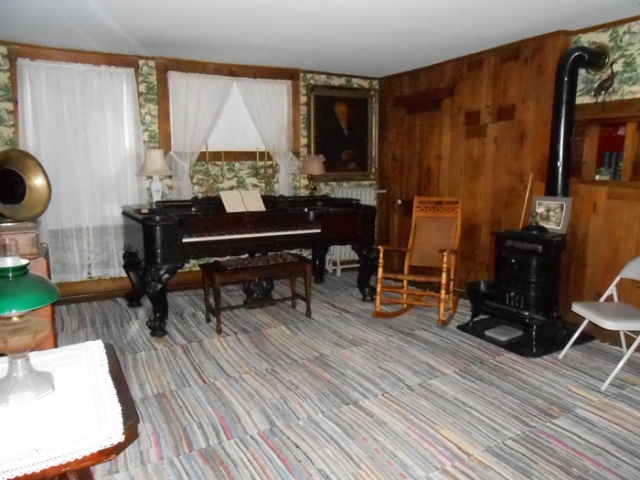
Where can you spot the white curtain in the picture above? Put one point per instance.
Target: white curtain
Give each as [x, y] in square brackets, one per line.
[270, 106]
[196, 103]
[82, 123]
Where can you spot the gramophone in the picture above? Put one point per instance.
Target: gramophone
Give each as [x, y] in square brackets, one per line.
[25, 190]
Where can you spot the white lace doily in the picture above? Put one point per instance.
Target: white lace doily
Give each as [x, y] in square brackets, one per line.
[82, 416]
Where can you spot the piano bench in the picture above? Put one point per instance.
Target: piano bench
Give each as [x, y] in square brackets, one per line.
[249, 269]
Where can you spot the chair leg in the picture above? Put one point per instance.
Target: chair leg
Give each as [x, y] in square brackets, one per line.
[207, 303]
[405, 287]
[378, 286]
[307, 289]
[621, 363]
[292, 284]
[573, 339]
[444, 283]
[623, 342]
[217, 304]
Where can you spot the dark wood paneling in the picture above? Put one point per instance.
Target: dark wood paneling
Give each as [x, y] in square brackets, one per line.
[482, 144]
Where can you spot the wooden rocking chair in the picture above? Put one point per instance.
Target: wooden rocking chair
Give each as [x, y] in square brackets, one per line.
[429, 261]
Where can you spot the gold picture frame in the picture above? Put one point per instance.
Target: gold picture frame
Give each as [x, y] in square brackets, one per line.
[343, 128]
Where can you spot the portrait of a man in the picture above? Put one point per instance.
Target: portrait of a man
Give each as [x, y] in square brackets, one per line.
[341, 132]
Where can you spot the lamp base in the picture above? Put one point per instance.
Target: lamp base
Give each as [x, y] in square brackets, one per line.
[156, 189]
[23, 382]
[312, 187]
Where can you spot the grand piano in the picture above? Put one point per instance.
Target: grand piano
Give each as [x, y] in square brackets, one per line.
[160, 238]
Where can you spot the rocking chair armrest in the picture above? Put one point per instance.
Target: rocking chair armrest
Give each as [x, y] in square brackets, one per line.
[396, 249]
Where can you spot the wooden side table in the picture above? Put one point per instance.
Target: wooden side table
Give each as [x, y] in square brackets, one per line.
[80, 469]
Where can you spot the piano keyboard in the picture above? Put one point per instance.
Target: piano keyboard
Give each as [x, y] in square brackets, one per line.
[233, 236]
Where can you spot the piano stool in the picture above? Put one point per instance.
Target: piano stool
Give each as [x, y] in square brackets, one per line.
[247, 269]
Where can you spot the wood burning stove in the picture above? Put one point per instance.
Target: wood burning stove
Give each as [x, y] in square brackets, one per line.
[524, 295]
[527, 273]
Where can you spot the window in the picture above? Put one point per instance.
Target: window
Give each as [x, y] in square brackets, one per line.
[82, 123]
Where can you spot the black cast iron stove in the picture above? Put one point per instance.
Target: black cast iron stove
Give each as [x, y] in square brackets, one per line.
[524, 295]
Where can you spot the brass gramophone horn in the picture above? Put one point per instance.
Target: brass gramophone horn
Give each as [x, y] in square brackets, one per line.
[25, 190]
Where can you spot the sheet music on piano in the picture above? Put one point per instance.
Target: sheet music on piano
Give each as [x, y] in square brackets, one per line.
[242, 201]
[252, 200]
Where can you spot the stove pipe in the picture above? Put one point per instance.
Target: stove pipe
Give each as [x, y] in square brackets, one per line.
[595, 59]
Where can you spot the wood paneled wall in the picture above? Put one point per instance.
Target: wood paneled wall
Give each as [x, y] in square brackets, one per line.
[476, 127]
[603, 235]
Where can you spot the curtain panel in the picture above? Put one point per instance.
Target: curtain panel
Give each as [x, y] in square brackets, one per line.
[82, 123]
[196, 102]
[270, 106]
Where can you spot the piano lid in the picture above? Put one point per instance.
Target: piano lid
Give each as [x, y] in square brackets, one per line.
[214, 206]
[277, 203]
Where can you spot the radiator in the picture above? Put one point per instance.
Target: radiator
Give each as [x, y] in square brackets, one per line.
[342, 256]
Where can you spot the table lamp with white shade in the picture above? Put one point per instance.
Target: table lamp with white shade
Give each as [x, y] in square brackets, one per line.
[312, 165]
[155, 166]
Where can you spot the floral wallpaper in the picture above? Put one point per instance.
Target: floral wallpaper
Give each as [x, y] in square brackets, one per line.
[148, 92]
[209, 178]
[7, 125]
[624, 43]
[306, 80]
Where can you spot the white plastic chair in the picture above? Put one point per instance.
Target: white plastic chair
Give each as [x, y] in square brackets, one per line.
[617, 316]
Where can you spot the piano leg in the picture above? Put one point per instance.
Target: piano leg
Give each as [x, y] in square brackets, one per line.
[133, 268]
[319, 259]
[156, 279]
[368, 261]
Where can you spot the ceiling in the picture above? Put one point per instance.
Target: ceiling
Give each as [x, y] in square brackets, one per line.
[357, 37]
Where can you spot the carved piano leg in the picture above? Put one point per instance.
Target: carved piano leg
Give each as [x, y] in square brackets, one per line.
[156, 279]
[319, 259]
[368, 261]
[133, 267]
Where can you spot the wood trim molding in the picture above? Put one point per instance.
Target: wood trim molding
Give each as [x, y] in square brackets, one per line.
[615, 23]
[87, 290]
[615, 111]
[164, 109]
[33, 52]
[227, 69]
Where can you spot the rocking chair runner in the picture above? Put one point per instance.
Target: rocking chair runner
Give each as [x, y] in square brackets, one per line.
[430, 261]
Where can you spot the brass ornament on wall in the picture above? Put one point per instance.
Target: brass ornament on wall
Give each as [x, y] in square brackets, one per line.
[25, 190]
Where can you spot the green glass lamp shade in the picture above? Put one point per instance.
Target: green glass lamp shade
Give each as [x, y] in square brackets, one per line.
[21, 290]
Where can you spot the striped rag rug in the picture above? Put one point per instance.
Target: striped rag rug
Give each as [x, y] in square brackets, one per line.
[346, 396]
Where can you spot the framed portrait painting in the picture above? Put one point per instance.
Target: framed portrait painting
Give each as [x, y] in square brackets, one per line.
[342, 129]
[552, 212]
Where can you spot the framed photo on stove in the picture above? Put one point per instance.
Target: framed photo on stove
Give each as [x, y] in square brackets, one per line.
[552, 212]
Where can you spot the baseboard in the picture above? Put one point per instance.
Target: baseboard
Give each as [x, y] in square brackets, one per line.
[106, 288]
